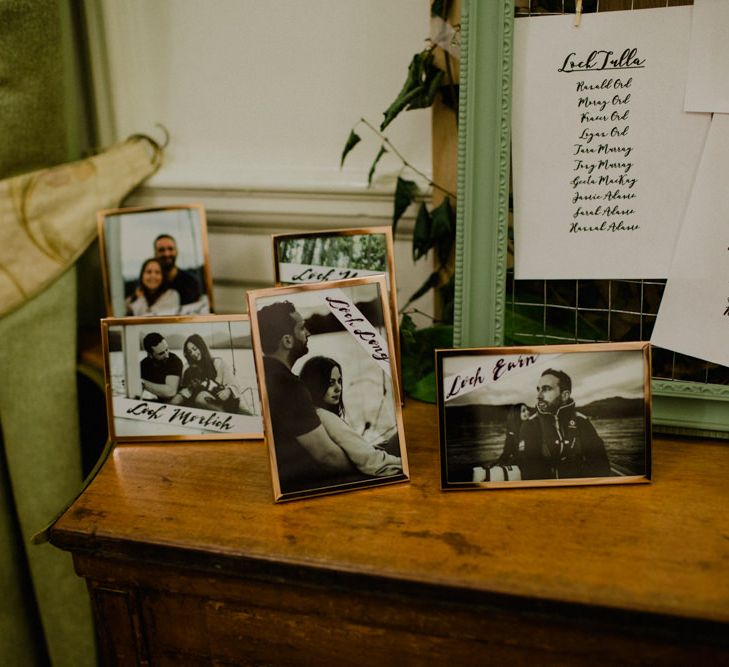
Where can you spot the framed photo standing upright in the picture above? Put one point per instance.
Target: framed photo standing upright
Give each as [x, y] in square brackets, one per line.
[155, 261]
[495, 309]
[331, 406]
[339, 254]
[180, 378]
[550, 415]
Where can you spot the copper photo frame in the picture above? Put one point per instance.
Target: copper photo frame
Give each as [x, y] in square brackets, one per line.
[330, 396]
[339, 254]
[154, 261]
[548, 415]
[180, 378]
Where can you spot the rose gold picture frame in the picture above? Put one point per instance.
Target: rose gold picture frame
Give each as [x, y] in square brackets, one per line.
[180, 378]
[331, 408]
[154, 261]
[338, 254]
[547, 415]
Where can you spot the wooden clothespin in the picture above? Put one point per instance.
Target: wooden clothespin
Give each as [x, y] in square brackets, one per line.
[578, 13]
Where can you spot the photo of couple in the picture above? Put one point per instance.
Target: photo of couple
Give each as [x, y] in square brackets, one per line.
[331, 407]
[206, 382]
[544, 416]
[183, 377]
[154, 261]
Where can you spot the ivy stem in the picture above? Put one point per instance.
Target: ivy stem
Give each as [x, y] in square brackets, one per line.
[390, 145]
[417, 311]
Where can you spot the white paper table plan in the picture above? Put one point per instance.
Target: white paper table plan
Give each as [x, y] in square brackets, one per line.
[707, 88]
[694, 315]
[603, 154]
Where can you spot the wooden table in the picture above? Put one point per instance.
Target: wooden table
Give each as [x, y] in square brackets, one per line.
[189, 562]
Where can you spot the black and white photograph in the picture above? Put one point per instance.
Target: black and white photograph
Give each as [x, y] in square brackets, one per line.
[155, 261]
[544, 415]
[181, 378]
[339, 254]
[330, 394]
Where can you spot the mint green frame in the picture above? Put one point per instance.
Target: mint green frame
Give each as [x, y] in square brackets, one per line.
[689, 408]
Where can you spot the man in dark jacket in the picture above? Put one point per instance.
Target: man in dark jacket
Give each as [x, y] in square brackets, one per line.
[558, 442]
[306, 457]
[186, 284]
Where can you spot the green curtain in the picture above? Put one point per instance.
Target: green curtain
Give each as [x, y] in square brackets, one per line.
[45, 614]
[43, 604]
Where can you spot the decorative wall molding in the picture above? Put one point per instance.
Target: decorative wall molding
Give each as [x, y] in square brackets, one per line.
[280, 209]
[258, 99]
[241, 222]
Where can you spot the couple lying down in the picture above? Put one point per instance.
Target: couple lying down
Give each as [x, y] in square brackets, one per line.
[322, 377]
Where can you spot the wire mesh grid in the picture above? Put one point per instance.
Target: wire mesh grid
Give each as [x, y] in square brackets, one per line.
[587, 311]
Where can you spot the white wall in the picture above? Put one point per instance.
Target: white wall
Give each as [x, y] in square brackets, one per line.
[259, 97]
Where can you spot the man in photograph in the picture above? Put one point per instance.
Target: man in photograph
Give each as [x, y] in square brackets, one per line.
[184, 282]
[558, 442]
[161, 369]
[306, 457]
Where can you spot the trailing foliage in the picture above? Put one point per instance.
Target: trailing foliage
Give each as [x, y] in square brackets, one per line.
[405, 194]
[418, 361]
[439, 8]
[352, 140]
[434, 228]
[421, 85]
[383, 150]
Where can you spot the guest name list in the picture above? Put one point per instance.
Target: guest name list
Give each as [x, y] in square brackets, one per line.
[604, 179]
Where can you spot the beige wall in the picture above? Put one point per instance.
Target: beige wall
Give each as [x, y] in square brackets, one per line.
[258, 98]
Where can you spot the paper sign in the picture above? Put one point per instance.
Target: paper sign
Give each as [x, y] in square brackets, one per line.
[694, 314]
[707, 88]
[603, 154]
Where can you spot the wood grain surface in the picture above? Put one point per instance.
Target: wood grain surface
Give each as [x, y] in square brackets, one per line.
[660, 548]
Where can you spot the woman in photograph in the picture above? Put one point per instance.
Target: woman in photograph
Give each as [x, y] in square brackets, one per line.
[208, 382]
[323, 378]
[506, 467]
[153, 295]
[516, 416]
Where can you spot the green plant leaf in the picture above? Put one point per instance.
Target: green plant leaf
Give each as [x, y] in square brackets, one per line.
[352, 141]
[418, 360]
[405, 193]
[442, 229]
[421, 85]
[442, 220]
[422, 236]
[438, 8]
[397, 106]
[407, 329]
[424, 389]
[410, 89]
[429, 87]
[447, 299]
[381, 152]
